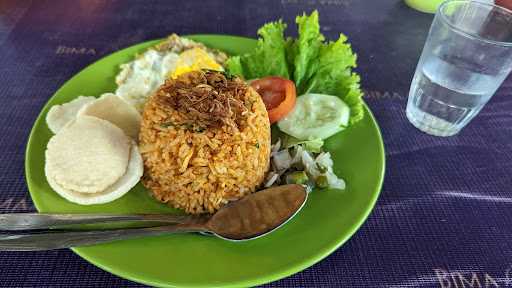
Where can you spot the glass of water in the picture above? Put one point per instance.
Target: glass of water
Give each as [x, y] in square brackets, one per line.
[468, 54]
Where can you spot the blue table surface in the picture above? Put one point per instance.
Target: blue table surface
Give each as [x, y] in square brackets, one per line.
[445, 212]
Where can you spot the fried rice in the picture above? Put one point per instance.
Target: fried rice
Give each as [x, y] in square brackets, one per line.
[205, 141]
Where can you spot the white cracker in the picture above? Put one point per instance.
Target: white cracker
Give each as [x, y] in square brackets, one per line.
[118, 189]
[60, 115]
[112, 108]
[88, 155]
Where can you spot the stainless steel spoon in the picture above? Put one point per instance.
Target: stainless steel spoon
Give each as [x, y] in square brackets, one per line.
[251, 217]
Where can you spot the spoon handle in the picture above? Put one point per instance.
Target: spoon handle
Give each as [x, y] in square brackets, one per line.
[33, 221]
[49, 240]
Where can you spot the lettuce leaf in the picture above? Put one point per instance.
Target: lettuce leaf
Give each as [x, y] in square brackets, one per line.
[334, 76]
[234, 66]
[269, 57]
[306, 49]
[314, 65]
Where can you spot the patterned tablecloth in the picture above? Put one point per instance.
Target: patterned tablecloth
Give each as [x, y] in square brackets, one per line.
[444, 216]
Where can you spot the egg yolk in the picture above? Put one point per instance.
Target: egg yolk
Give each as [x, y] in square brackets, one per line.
[193, 60]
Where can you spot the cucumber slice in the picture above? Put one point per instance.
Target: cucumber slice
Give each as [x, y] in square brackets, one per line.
[316, 116]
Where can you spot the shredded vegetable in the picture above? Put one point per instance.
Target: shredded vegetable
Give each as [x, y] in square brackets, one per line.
[299, 165]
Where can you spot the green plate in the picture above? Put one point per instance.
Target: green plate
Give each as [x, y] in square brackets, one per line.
[328, 219]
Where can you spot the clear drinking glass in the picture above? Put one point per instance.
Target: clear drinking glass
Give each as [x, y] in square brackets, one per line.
[467, 56]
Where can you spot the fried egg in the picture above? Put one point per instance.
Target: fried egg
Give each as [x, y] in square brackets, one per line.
[141, 77]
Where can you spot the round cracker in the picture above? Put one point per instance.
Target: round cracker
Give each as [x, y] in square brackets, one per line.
[60, 115]
[88, 155]
[132, 176]
[115, 110]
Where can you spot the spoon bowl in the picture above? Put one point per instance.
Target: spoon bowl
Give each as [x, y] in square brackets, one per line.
[258, 214]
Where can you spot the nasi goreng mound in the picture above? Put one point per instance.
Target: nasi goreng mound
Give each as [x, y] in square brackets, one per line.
[205, 141]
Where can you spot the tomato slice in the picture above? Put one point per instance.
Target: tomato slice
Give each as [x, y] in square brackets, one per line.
[278, 94]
